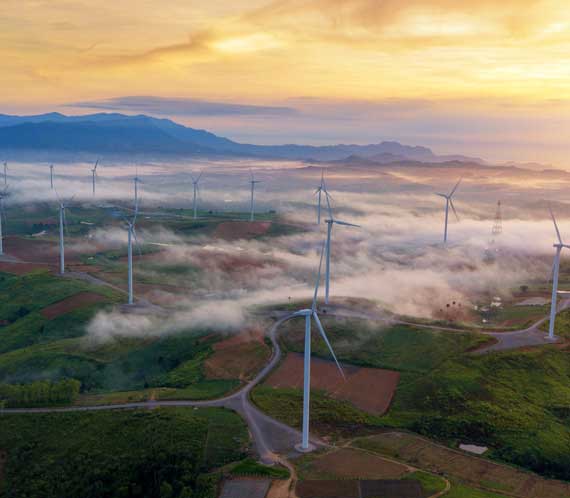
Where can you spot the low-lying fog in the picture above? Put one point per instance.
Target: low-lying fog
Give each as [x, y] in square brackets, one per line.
[396, 258]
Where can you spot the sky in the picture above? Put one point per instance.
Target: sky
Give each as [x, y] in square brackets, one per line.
[479, 77]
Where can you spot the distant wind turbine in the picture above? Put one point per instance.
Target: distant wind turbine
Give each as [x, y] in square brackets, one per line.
[553, 304]
[3, 195]
[253, 181]
[51, 175]
[5, 174]
[137, 180]
[449, 202]
[330, 222]
[311, 314]
[195, 182]
[94, 174]
[319, 192]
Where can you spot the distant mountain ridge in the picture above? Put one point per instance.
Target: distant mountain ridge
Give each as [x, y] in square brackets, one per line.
[116, 133]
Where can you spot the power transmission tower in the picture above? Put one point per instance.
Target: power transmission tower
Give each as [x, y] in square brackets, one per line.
[497, 224]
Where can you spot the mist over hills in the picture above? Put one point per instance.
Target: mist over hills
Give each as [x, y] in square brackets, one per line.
[117, 134]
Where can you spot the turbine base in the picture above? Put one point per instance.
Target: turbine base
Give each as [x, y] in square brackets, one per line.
[300, 449]
[551, 339]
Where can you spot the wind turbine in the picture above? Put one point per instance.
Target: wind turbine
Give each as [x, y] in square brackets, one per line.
[311, 314]
[553, 305]
[330, 222]
[5, 174]
[62, 225]
[253, 181]
[449, 202]
[195, 201]
[3, 195]
[94, 174]
[319, 192]
[132, 235]
[137, 180]
[51, 175]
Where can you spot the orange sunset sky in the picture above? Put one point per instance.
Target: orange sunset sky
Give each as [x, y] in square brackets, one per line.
[481, 77]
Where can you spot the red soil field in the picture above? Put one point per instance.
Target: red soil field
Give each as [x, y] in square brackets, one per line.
[240, 356]
[347, 463]
[370, 389]
[327, 489]
[39, 251]
[23, 268]
[71, 303]
[235, 230]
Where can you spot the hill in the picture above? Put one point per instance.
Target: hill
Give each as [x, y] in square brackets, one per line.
[115, 133]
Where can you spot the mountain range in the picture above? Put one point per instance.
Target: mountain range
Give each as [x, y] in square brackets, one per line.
[113, 133]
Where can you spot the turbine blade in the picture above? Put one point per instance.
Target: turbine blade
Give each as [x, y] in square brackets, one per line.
[315, 295]
[136, 210]
[338, 222]
[137, 240]
[325, 338]
[555, 226]
[455, 188]
[329, 207]
[199, 176]
[442, 195]
[453, 209]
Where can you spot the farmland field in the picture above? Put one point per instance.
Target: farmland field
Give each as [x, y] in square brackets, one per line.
[368, 389]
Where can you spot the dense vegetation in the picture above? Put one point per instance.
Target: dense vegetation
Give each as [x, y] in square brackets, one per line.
[517, 403]
[39, 393]
[163, 453]
[34, 347]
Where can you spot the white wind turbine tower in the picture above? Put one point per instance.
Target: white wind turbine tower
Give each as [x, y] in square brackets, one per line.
[62, 226]
[330, 222]
[253, 181]
[94, 174]
[311, 314]
[132, 236]
[195, 182]
[449, 202]
[553, 305]
[3, 195]
[319, 192]
[51, 175]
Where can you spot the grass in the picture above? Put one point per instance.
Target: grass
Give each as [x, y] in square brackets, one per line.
[431, 483]
[250, 467]
[119, 453]
[561, 324]
[459, 490]
[398, 347]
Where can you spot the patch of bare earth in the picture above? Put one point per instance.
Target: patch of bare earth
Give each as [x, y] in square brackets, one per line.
[23, 268]
[235, 230]
[39, 251]
[348, 463]
[370, 389]
[71, 303]
[330, 489]
[239, 356]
